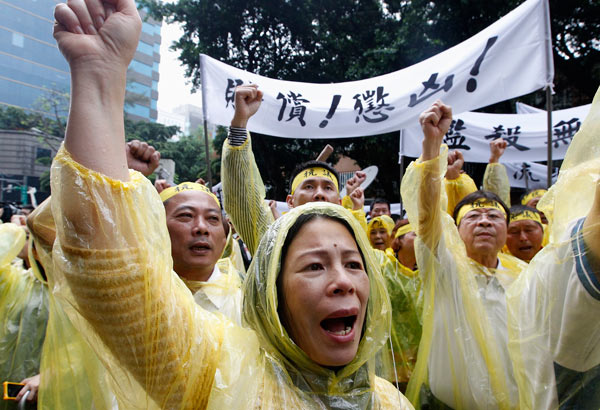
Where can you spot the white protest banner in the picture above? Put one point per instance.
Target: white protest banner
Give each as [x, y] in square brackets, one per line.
[523, 108]
[528, 175]
[526, 134]
[508, 59]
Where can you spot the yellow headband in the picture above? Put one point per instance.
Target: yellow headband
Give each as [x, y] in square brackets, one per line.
[313, 173]
[533, 194]
[381, 221]
[403, 230]
[525, 215]
[186, 186]
[479, 204]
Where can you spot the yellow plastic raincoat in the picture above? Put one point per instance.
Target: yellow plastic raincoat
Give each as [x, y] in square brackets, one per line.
[113, 263]
[244, 194]
[553, 308]
[493, 341]
[72, 376]
[495, 180]
[23, 312]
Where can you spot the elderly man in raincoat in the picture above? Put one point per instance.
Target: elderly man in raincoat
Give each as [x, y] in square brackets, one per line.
[491, 340]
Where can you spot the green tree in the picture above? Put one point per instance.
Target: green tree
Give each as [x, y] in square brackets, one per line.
[188, 154]
[343, 40]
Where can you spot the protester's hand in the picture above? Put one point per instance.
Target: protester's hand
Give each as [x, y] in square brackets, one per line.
[455, 164]
[20, 220]
[161, 185]
[354, 182]
[247, 101]
[274, 211]
[142, 157]
[497, 148]
[97, 35]
[435, 122]
[32, 384]
[358, 199]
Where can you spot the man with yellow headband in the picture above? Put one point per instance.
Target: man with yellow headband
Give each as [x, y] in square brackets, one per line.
[525, 232]
[198, 238]
[491, 339]
[243, 187]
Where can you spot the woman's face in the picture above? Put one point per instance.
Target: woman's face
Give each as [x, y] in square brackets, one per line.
[325, 292]
[380, 239]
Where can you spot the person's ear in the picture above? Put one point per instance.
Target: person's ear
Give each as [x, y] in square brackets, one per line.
[290, 201]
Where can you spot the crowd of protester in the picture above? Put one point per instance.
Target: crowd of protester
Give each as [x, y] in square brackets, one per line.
[117, 293]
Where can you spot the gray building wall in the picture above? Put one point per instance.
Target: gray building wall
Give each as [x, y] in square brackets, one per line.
[19, 163]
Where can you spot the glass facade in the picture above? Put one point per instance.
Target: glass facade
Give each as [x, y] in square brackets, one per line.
[32, 67]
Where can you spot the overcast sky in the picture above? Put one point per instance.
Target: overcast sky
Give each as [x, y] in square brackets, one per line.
[172, 88]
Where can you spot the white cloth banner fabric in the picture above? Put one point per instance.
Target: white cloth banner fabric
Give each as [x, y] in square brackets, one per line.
[523, 108]
[506, 60]
[526, 134]
[529, 175]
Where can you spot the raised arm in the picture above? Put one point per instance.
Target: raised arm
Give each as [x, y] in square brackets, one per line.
[458, 184]
[112, 254]
[435, 122]
[98, 40]
[495, 178]
[243, 187]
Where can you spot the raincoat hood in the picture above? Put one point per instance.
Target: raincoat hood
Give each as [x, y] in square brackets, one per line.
[260, 313]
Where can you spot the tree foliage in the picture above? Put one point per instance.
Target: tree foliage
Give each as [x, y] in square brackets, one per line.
[342, 40]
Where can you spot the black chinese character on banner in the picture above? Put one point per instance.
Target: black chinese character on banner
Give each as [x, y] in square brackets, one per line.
[454, 139]
[431, 84]
[375, 106]
[230, 91]
[334, 104]
[525, 173]
[565, 131]
[510, 135]
[297, 108]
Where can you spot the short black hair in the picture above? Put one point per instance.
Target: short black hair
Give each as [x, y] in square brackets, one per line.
[474, 196]
[380, 200]
[312, 164]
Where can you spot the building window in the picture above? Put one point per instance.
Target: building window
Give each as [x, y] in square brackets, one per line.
[18, 40]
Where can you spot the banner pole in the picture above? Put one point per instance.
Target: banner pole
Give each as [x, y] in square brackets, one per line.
[549, 81]
[205, 126]
[401, 150]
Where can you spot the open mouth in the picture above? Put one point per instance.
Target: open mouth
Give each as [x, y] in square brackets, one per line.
[526, 248]
[339, 326]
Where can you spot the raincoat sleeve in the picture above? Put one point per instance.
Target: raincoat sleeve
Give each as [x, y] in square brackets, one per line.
[495, 179]
[244, 193]
[457, 189]
[23, 311]
[359, 214]
[113, 267]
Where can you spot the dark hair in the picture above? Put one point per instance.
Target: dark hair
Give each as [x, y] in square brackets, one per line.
[311, 164]
[380, 201]
[517, 209]
[474, 196]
